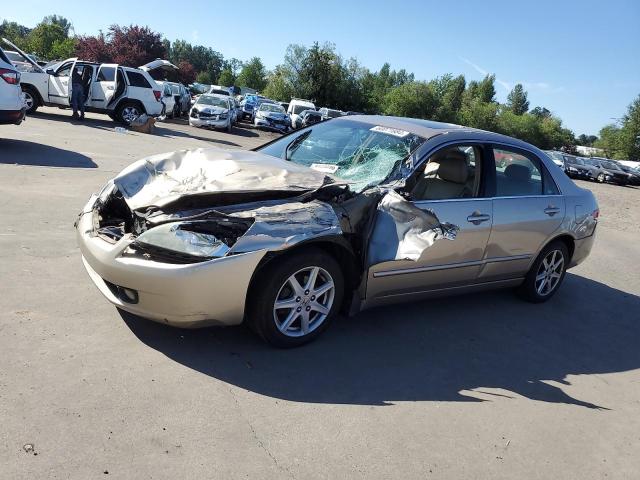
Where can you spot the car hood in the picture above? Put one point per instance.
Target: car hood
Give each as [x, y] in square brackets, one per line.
[161, 179]
[210, 109]
[276, 115]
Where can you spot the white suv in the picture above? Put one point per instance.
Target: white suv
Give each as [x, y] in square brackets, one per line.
[12, 108]
[123, 93]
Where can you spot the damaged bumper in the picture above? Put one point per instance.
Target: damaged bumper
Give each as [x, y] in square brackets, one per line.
[207, 122]
[182, 295]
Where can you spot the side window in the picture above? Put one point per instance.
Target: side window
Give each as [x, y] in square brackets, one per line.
[107, 74]
[64, 71]
[453, 172]
[137, 80]
[517, 174]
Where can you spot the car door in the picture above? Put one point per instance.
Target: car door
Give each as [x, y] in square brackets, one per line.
[60, 83]
[447, 263]
[105, 85]
[527, 210]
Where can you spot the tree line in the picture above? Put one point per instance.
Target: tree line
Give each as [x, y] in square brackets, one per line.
[318, 72]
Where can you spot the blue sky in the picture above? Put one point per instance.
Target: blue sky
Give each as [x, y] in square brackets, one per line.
[580, 59]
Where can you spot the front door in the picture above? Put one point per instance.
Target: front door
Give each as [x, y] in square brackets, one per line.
[527, 209]
[60, 83]
[104, 87]
[449, 186]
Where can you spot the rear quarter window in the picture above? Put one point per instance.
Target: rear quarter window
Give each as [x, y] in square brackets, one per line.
[137, 80]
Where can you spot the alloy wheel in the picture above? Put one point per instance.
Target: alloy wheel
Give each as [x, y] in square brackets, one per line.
[601, 178]
[129, 114]
[549, 273]
[304, 301]
[28, 100]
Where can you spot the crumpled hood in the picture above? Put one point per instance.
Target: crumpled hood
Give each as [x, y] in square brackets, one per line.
[212, 110]
[161, 179]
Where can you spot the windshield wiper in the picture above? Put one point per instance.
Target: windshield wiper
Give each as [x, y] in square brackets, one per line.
[295, 144]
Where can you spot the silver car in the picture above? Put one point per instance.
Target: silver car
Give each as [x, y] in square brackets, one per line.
[344, 215]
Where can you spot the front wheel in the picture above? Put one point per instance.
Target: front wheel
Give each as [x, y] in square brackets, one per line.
[601, 178]
[296, 298]
[546, 273]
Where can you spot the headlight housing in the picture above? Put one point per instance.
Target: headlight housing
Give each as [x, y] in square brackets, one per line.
[184, 238]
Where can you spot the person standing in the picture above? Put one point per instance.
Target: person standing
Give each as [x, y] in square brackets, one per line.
[77, 93]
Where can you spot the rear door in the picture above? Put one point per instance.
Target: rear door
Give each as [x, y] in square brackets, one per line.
[527, 210]
[60, 83]
[105, 85]
[456, 199]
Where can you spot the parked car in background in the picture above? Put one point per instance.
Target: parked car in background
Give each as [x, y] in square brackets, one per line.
[272, 115]
[634, 173]
[576, 167]
[12, 106]
[184, 99]
[557, 157]
[306, 118]
[259, 102]
[212, 111]
[328, 113]
[296, 107]
[168, 100]
[248, 104]
[219, 90]
[123, 93]
[608, 171]
[332, 218]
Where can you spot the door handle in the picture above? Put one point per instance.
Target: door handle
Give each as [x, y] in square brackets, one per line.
[551, 210]
[477, 218]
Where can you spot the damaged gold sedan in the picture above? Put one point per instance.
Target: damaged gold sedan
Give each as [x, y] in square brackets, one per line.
[344, 215]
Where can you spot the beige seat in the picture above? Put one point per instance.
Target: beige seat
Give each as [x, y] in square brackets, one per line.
[449, 181]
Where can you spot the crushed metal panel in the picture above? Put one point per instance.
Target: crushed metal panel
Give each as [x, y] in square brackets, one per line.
[281, 226]
[163, 178]
[403, 231]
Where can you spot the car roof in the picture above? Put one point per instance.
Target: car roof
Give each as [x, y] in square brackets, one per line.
[217, 95]
[428, 128]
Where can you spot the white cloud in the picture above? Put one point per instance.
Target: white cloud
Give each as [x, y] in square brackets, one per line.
[508, 86]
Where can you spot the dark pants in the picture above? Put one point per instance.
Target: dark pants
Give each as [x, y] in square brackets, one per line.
[77, 98]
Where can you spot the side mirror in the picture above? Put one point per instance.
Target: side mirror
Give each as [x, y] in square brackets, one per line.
[50, 71]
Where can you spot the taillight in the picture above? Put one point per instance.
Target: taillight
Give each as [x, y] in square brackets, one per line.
[10, 76]
[157, 94]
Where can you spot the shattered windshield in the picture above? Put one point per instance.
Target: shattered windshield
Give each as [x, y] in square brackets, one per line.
[359, 153]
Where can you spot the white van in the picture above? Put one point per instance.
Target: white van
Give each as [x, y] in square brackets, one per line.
[297, 106]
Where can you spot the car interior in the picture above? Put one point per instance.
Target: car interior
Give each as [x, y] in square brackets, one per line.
[449, 173]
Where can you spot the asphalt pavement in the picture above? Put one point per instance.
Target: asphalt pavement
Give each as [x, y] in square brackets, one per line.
[481, 386]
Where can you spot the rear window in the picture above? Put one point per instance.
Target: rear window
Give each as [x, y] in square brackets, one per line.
[137, 80]
[3, 57]
[107, 74]
[300, 108]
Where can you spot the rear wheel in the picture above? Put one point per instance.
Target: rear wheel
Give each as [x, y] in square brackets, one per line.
[296, 298]
[31, 99]
[546, 273]
[128, 112]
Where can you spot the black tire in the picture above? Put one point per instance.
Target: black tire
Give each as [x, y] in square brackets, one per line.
[122, 112]
[34, 103]
[530, 289]
[272, 282]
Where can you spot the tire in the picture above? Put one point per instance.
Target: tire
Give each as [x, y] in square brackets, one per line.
[546, 274]
[600, 178]
[127, 112]
[275, 284]
[32, 99]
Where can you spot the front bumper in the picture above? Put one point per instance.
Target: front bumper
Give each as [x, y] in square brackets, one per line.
[188, 296]
[263, 122]
[208, 122]
[12, 117]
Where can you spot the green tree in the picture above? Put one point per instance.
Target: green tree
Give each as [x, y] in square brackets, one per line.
[59, 20]
[517, 100]
[448, 92]
[253, 75]
[610, 141]
[414, 99]
[42, 39]
[226, 78]
[14, 32]
[279, 86]
[204, 78]
[541, 112]
[630, 132]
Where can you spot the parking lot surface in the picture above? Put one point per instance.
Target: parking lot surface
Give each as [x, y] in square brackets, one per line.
[479, 386]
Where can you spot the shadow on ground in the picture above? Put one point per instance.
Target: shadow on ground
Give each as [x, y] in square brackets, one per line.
[435, 350]
[21, 152]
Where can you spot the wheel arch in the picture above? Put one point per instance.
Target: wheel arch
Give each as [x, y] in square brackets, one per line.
[565, 238]
[335, 245]
[33, 90]
[134, 101]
